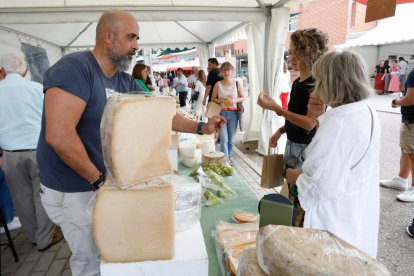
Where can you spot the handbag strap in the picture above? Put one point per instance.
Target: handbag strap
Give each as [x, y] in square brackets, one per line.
[370, 138]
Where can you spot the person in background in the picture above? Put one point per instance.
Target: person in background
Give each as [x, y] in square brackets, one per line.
[338, 182]
[150, 82]
[284, 86]
[386, 76]
[21, 103]
[394, 84]
[165, 83]
[181, 86]
[228, 93]
[306, 46]
[192, 79]
[403, 69]
[6, 202]
[140, 74]
[406, 143]
[212, 78]
[200, 88]
[70, 157]
[379, 81]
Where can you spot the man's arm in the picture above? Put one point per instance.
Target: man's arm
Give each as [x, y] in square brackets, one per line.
[63, 111]
[408, 99]
[183, 124]
[208, 87]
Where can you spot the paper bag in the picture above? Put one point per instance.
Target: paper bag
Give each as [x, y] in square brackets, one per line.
[272, 171]
[213, 109]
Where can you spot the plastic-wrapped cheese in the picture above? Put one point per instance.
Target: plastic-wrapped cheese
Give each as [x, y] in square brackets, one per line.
[187, 192]
[248, 264]
[136, 135]
[311, 252]
[135, 224]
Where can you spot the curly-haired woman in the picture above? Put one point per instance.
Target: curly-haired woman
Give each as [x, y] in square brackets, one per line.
[306, 46]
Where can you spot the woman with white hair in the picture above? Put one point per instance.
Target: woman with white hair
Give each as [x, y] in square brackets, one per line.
[338, 183]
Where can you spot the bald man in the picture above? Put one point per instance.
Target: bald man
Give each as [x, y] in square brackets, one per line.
[69, 150]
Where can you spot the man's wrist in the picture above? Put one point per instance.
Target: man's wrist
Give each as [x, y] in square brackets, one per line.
[200, 126]
[99, 182]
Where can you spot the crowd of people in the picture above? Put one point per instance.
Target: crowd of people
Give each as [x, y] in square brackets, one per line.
[52, 153]
[390, 79]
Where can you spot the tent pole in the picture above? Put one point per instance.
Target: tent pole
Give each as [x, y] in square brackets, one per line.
[18, 33]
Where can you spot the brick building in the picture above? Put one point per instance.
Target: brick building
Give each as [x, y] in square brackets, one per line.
[341, 19]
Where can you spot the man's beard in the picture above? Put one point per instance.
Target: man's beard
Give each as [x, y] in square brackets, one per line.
[120, 62]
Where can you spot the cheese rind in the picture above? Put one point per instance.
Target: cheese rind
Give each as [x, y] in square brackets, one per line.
[311, 252]
[135, 224]
[136, 135]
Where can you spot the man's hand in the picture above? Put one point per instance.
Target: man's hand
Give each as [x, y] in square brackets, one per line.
[292, 175]
[214, 124]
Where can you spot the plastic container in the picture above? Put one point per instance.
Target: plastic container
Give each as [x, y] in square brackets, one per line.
[186, 219]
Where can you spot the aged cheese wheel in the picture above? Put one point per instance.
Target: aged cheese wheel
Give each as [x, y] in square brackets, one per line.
[135, 224]
[248, 264]
[136, 135]
[214, 157]
[283, 250]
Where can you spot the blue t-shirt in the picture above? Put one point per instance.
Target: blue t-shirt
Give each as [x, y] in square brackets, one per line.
[408, 111]
[80, 74]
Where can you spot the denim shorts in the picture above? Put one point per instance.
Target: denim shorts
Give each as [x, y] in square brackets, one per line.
[295, 151]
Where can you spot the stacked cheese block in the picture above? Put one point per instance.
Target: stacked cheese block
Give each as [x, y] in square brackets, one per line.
[133, 217]
[283, 250]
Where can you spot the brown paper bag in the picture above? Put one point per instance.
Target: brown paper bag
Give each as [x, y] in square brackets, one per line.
[213, 109]
[272, 170]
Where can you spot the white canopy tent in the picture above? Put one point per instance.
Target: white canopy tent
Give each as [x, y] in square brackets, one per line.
[62, 26]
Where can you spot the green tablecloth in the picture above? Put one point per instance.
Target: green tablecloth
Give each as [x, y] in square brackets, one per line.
[245, 200]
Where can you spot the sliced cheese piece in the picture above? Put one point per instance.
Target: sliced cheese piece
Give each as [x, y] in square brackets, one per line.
[135, 224]
[214, 157]
[136, 135]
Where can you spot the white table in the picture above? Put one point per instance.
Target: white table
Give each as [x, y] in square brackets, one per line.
[190, 259]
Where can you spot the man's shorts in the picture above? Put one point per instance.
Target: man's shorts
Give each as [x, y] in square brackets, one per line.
[407, 138]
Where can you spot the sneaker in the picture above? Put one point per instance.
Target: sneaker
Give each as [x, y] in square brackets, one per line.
[410, 228]
[395, 183]
[12, 225]
[407, 196]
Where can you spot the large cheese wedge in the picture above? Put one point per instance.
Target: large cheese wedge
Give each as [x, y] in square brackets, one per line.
[283, 250]
[136, 135]
[135, 224]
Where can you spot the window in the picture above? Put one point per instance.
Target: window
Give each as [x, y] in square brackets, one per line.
[293, 24]
[353, 14]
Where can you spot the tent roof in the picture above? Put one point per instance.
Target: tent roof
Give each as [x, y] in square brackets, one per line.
[390, 30]
[163, 23]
